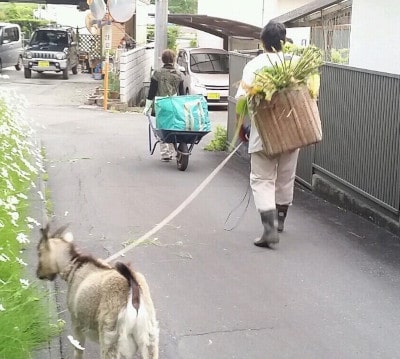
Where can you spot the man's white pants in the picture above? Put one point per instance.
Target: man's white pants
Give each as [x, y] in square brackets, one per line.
[167, 150]
[272, 179]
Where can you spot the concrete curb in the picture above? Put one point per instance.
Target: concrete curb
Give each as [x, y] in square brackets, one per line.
[336, 194]
[53, 350]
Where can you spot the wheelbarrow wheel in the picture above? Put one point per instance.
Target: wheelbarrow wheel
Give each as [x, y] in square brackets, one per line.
[182, 157]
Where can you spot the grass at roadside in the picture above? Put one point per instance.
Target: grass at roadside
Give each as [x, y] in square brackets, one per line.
[24, 315]
[219, 142]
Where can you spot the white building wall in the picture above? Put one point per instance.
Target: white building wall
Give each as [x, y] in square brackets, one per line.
[67, 15]
[255, 12]
[300, 35]
[375, 35]
[141, 22]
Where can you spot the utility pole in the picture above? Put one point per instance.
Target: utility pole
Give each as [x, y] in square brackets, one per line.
[160, 29]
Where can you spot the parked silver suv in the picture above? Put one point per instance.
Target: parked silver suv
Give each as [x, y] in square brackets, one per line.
[52, 49]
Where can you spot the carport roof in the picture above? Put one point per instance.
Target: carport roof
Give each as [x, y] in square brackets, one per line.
[216, 26]
[314, 13]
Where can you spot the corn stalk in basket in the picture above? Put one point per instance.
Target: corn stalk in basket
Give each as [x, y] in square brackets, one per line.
[290, 72]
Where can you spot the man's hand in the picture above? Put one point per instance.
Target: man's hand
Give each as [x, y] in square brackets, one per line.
[244, 133]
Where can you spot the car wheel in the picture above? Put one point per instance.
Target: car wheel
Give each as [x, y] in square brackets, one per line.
[27, 73]
[18, 66]
[65, 74]
[75, 69]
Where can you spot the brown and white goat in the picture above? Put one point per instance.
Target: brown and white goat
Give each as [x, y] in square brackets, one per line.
[109, 305]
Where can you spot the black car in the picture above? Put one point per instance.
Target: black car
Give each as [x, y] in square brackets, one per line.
[52, 49]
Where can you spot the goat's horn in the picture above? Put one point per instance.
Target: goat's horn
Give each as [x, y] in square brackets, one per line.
[45, 231]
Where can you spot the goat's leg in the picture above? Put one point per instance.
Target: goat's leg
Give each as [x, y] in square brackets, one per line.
[148, 351]
[154, 339]
[153, 347]
[80, 337]
[109, 343]
[110, 353]
[147, 340]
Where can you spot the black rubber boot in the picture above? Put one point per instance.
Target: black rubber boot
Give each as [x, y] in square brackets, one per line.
[281, 209]
[270, 235]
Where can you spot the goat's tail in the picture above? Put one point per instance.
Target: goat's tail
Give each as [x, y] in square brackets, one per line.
[134, 293]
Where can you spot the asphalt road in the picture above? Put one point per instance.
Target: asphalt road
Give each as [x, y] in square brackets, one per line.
[330, 289]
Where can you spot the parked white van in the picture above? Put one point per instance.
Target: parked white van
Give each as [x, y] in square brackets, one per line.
[11, 47]
[206, 72]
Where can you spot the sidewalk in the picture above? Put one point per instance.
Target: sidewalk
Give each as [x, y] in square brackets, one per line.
[330, 290]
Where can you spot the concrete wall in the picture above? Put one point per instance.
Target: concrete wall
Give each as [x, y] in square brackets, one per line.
[135, 72]
[375, 34]
[236, 43]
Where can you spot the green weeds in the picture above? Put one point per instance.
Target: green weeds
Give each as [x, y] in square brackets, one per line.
[219, 142]
[24, 313]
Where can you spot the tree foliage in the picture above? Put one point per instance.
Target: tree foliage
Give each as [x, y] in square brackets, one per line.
[16, 11]
[21, 14]
[181, 6]
[172, 35]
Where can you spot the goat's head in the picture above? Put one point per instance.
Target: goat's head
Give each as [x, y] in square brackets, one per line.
[55, 252]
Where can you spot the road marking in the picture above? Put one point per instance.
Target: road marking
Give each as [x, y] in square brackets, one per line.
[174, 213]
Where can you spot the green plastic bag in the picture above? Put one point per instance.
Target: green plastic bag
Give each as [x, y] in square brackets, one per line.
[182, 113]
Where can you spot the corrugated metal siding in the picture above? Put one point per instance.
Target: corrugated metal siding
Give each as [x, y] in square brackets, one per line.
[304, 165]
[361, 127]
[237, 62]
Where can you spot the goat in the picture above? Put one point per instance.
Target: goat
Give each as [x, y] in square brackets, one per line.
[108, 304]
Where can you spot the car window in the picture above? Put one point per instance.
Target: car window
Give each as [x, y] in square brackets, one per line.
[209, 63]
[50, 37]
[40, 37]
[181, 61]
[10, 34]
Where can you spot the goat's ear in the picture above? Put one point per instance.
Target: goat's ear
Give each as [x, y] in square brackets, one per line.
[59, 232]
[68, 237]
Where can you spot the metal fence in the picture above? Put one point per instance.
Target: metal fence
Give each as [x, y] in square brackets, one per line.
[360, 113]
[359, 153]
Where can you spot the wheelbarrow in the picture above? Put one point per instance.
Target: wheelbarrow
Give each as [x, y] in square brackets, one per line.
[183, 142]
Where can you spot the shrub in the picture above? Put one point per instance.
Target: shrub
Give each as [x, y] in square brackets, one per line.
[340, 56]
[219, 142]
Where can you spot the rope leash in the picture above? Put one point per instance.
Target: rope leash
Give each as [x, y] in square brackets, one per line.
[245, 199]
[174, 213]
